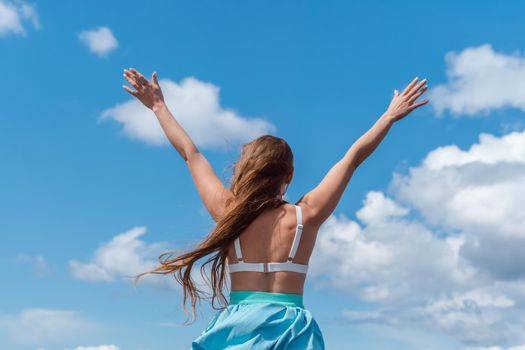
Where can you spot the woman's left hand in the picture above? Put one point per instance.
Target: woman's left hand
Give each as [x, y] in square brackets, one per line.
[147, 91]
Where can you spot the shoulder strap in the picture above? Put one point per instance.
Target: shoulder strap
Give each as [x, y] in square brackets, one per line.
[298, 233]
[238, 251]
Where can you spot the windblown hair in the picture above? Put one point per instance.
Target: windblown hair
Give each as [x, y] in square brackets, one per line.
[263, 166]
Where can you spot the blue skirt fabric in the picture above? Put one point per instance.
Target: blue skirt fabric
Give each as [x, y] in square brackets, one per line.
[262, 321]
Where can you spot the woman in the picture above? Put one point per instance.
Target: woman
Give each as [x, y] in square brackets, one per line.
[264, 241]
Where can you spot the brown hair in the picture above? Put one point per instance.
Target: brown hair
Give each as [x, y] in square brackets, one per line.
[264, 165]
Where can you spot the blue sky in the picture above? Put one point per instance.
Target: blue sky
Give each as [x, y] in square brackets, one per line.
[431, 222]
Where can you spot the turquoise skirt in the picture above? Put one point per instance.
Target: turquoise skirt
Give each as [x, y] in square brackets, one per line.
[261, 321]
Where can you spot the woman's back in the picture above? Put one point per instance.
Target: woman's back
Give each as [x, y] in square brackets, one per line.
[269, 239]
[265, 309]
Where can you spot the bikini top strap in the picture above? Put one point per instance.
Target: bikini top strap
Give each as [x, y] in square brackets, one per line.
[296, 239]
[298, 233]
[238, 251]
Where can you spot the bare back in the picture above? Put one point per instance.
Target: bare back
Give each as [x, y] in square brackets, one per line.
[269, 238]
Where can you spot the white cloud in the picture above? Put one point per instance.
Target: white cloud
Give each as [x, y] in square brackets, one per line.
[480, 80]
[13, 16]
[99, 347]
[36, 326]
[444, 251]
[479, 192]
[195, 105]
[124, 256]
[100, 41]
[377, 261]
[379, 209]
[475, 316]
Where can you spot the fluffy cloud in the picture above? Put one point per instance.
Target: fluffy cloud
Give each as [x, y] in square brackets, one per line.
[100, 347]
[379, 259]
[36, 326]
[196, 106]
[480, 80]
[443, 251]
[124, 256]
[100, 41]
[478, 316]
[479, 192]
[13, 16]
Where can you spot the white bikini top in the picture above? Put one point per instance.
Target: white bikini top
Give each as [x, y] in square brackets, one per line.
[289, 265]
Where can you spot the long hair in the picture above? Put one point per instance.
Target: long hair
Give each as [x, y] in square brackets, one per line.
[263, 166]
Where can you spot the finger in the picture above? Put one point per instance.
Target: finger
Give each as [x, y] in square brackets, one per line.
[154, 78]
[139, 76]
[419, 104]
[417, 95]
[396, 93]
[132, 75]
[416, 87]
[133, 72]
[409, 86]
[129, 76]
[134, 93]
[132, 82]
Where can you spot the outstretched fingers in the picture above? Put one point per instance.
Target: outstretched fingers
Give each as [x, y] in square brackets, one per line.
[139, 76]
[129, 74]
[133, 92]
[409, 86]
[414, 89]
[419, 104]
[132, 82]
[417, 94]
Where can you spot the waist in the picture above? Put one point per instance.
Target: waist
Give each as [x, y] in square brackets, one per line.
[252, 296]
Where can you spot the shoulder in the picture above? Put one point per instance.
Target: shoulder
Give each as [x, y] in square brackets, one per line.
[307, 212]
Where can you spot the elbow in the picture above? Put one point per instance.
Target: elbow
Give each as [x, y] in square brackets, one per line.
[355, 161]
[189, 156]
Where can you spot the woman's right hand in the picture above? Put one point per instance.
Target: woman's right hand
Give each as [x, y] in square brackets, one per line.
[404, 103]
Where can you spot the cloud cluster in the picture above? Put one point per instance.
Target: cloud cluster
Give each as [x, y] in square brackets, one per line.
[124, 256]
[99, 41]
[14, 15]
[37, 326]
[480, 80]
[479, 192]
[196, 106]
[443, 250]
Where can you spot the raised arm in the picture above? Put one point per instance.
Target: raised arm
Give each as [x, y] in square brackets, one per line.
[323, 199]
[210, 187]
